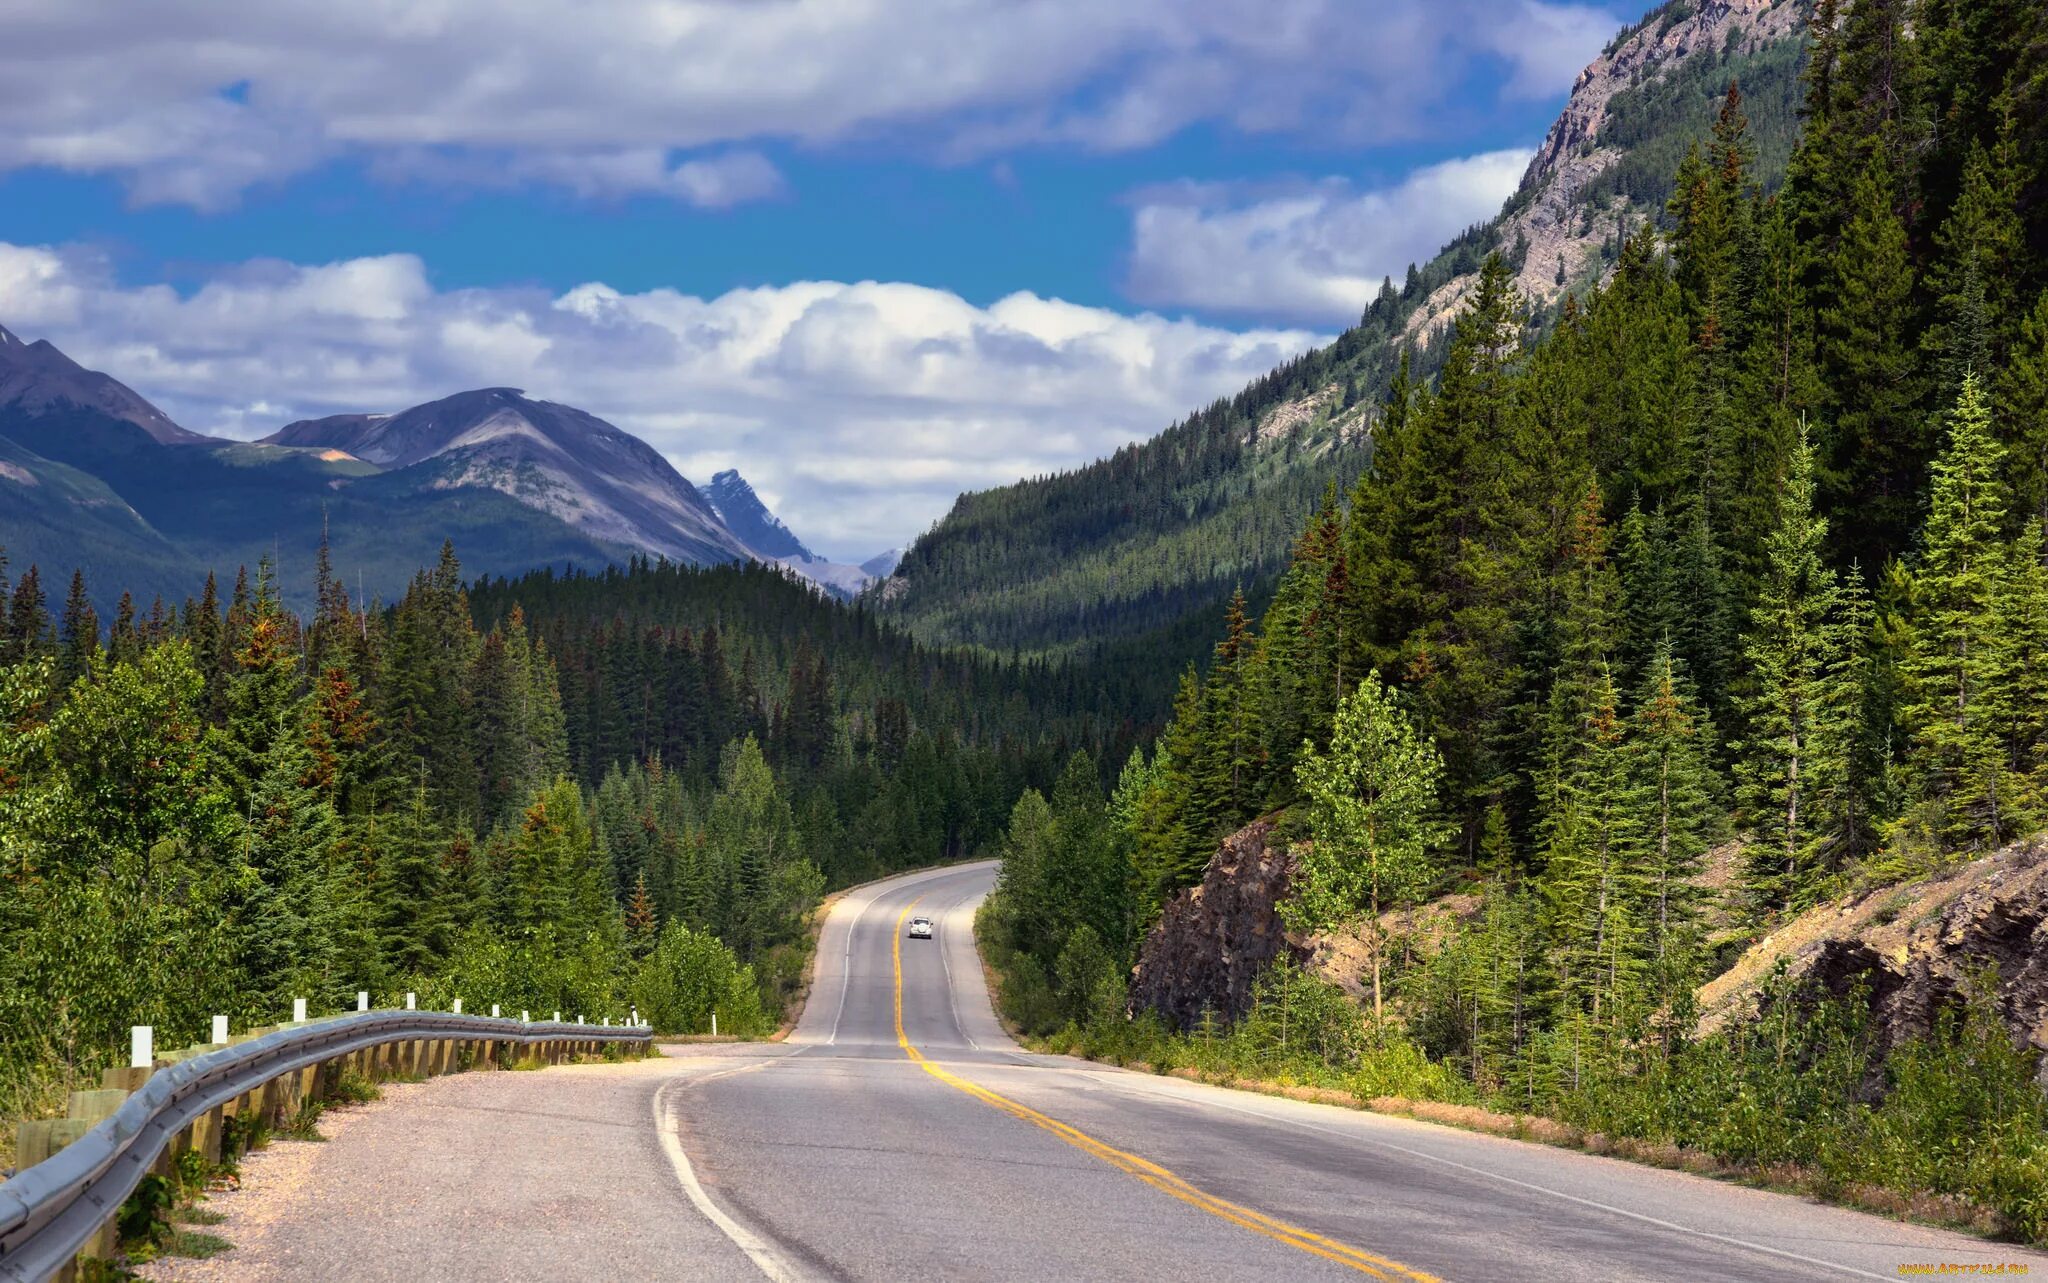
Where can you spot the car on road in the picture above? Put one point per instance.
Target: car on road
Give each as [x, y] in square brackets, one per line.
[921, 928]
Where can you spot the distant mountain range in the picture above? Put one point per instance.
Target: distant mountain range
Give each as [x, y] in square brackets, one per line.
[94, 477]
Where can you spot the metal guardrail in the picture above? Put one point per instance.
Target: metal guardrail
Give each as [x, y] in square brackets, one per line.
[51, 1210]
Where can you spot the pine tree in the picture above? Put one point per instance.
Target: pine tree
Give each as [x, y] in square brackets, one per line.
[1960, 775]
[28, 620]
[1672, 788]
[286, 950]
[2016, 677]
[1593, 893]
[124, 642]
[1874, 461]
[1802, 708]
[81, 633]
[641, 924]
[2023, 414]
[415, 917]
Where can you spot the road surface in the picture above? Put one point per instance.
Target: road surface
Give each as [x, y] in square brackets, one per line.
[900, 1133]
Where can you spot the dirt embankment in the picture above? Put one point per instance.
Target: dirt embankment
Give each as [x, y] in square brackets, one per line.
[1917, 948]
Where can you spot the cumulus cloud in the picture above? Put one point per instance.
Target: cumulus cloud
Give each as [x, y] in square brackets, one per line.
[654, 94]
[865, 407]
[1316, 253]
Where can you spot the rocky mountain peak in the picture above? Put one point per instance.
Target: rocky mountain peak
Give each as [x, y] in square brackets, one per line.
[1552, 213]
[37, 379]
[746, 516]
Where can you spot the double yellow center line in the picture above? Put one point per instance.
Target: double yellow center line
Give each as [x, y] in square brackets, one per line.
[1151, 1173]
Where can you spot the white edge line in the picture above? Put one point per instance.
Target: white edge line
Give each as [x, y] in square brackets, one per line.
[952, 995]
[846, 968]
[764, 1257]
[1688, 1230]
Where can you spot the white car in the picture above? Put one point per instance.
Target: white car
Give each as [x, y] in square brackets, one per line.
[921, 928]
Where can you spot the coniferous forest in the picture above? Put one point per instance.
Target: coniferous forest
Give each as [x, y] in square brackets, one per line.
[1640, 636]
[578, 793]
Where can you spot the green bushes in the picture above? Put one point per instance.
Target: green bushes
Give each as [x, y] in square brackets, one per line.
[690, 975]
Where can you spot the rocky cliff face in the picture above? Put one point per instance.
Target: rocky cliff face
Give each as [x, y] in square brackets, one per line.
[1916, 948]
[1550, 210]
[1213, 940]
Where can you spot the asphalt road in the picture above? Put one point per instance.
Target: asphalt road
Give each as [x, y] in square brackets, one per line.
[947, 1152]
[900, 1133]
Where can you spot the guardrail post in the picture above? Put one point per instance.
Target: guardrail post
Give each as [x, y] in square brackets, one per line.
[298, 1011]
[362, 1000]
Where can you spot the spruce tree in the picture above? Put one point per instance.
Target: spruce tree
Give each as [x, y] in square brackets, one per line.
[1673, 797]
[1880, 443]
[1959, 774]
[2023, 414]
[1801, 710]
[414, 915]
[81, 633]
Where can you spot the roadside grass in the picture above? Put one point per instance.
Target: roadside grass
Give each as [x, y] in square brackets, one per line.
[1896, 1158]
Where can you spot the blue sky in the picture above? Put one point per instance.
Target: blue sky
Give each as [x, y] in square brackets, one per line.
[1081, 220]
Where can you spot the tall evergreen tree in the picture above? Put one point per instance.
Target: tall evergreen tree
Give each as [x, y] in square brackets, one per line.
[1956, 692]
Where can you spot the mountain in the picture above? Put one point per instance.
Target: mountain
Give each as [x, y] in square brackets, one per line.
[62, 519]
[599, 479]
[747, 517]
[882, 564]
[94, 477]
[38, 381]
[1125, 550]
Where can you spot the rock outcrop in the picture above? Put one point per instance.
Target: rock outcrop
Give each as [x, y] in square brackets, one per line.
[1213, 940]
[1916, 949]
[1549, 212]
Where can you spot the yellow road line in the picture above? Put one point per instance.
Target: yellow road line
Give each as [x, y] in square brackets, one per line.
[1151, 1173]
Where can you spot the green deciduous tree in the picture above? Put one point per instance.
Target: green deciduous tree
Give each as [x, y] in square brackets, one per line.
[1373, 809]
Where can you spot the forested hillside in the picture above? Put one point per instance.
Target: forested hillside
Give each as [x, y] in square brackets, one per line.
[1724, 597]
[555, 793]
[1132, 545]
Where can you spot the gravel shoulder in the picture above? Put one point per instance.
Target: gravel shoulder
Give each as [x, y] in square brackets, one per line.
[487, 1176]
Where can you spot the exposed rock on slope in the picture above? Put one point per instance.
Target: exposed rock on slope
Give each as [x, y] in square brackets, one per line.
[574, 466]
[1550, 212]
[1916, 947]
[748, 518]
[1213, 940]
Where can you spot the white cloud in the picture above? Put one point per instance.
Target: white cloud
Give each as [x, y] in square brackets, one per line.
[210, 98]
[1317, 253]
[867, 407]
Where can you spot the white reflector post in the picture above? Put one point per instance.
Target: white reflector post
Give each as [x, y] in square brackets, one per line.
[524, 1019]
[410, 1001]
[458, 1006]
[494, 1011]
[607, 1022]
[298, 1010]
[141, 1045]
[362, 1000]
[636, 1017]
[558, 1017]
[220, 1030]
[579, 1020]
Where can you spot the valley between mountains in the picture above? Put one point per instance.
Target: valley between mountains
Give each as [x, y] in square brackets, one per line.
[1550, 781]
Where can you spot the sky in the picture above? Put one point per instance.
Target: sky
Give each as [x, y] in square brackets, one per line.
[871, 253]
